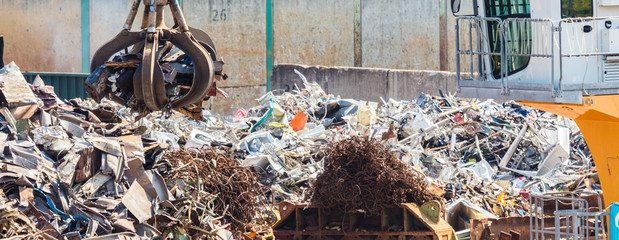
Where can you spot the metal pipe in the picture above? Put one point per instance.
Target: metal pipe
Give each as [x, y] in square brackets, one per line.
[590, 54]
[1, 51]
[531, 214]
[179, 16]
[537, 216]
[466, 52]
[85, 36]
[504, 72]
[152, 17]
[560, 57]
[480, 31]
[528, 55]
[552, 60]
[471, 47]
[269, 41]
[557, 228]
[132, 13]
[458, 50]
[512, 148]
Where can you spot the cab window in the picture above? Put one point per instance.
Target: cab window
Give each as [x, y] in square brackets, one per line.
[576, 8]
[505, 9]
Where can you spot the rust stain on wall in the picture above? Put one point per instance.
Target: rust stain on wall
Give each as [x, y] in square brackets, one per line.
[42, 35]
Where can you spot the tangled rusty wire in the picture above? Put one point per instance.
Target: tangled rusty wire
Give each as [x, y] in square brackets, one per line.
[219, 183]
[362, 174]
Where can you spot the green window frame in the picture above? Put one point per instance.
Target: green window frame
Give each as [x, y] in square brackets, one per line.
[505, 9]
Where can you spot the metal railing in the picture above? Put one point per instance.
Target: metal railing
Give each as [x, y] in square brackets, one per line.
[580, 225]
[577, 43]
[572, 219]
[478, 43]
[526, 37]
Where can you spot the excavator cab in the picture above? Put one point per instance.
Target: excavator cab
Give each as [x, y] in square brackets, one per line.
[559, 56]
[545, 51]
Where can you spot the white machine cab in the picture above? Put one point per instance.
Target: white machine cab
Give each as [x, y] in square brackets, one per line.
[543, 51]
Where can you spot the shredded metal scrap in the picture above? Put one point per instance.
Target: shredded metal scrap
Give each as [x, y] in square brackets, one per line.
[363, 174]
[219, 184]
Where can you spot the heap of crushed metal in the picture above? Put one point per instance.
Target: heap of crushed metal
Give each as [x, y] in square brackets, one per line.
[61, 181]
[81, 168]
[218, 185]
[362, 174]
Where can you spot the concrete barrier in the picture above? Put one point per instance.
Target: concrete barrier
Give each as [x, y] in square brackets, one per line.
[366, 83]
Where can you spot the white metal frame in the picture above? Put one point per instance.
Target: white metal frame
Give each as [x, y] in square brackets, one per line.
[547, 41]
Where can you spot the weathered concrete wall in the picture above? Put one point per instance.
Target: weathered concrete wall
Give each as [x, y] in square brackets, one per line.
[313, 32]
[366, 83]
[400, 34]
[238, 29]
[42, 35]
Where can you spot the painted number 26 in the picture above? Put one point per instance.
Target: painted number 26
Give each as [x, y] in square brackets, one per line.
[219, 15]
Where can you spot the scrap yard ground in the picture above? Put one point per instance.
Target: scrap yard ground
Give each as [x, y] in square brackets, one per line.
[298, 120]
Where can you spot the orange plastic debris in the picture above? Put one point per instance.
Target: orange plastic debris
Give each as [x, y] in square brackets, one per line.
[299, 121]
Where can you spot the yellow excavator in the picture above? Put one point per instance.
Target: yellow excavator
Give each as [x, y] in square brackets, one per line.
[559, 56]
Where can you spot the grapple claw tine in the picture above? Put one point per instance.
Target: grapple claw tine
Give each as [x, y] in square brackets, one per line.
[153, 86]
[202, 65]
[121, 41]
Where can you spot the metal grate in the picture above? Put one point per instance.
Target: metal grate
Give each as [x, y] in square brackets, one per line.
[572, 219]
[611, 70]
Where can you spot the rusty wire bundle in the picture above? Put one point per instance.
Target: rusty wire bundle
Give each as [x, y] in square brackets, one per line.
[362, 174]
[219, 183]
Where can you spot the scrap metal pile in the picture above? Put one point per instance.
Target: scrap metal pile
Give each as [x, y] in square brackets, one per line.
[219, 183]
[81, 169]
[86, 169]
[361, 174]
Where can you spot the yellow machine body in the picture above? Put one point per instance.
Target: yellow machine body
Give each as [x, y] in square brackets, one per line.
[598, 120]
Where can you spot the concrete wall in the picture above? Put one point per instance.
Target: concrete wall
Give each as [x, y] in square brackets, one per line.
[238, 29]
[400, 34]
[313, 32]
[396, 34]
[366, 83]
[42, 35]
